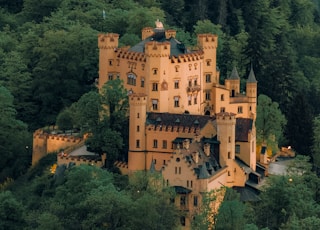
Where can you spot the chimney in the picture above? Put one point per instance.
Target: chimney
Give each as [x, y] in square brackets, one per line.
[186, 144]
[206, 149]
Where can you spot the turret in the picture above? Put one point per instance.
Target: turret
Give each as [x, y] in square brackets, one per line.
[251, 88]
[226, 123]
[233, 83]
[137, 145]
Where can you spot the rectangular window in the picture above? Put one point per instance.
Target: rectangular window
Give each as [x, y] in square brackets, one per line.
[229, 155]
[164, 144]
[222, 97]
[189, 100]
[195, 201]
[118, 75]
[191, 184]
[110, 76]
[137, 143]
[154, 86]
[110, 62]
[208, 95]
[176, 84]
[237, 149]
[195, 82]
[164, 162]
[240, 109]
[179, 170]
[155, 143]
[155, 104]
[222, 110]
[138, 128]
[190, 83]
[138, 115]
[208, 78]
[187, 183]
[142, 82]
[195, 100]
[183, 200]
[176, 102]
[175, 170]
[155, 71]
[131, 79]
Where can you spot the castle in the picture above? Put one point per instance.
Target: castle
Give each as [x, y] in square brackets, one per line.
[184, 123]
[198, 133]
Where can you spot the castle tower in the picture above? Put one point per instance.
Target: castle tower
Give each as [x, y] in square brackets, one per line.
[251, 88]
[233, 83]
[226, 132]
[158, 60]
[209, 43]
[137, 145]
[107, 44]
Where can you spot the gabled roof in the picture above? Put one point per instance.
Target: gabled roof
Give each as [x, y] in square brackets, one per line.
[243, 127]
[171, 119]
[176, 47]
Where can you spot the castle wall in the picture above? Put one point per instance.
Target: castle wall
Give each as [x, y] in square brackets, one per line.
[44, 143]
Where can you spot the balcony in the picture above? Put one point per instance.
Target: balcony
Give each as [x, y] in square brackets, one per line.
[194, 88]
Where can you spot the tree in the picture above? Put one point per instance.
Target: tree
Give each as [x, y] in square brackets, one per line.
[11, 212]
[299, 134]
[316, 144]
[231, 212]
[270, 122]
[64, 120]
[14, 138]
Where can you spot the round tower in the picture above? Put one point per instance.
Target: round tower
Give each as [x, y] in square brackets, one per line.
[226, 132]
[137, 120]
[251, 92]
[107, 44]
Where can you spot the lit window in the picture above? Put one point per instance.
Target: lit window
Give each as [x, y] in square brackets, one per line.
[155, 143]
[176, 101]
[176, 84]
[155, 104]
[208, 78]
[154, 86]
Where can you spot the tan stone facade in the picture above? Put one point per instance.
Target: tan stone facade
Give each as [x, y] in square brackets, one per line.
[198, 133]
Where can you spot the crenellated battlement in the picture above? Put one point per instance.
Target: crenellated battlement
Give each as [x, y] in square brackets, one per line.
[157, 49]
[44, 143]
[108, 41]
[208, 41]
[195, 56]
[136, 56]
[175, 128]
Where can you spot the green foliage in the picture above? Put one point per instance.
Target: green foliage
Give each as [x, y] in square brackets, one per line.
[316, 143]
[270, 122]
[11, 212]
